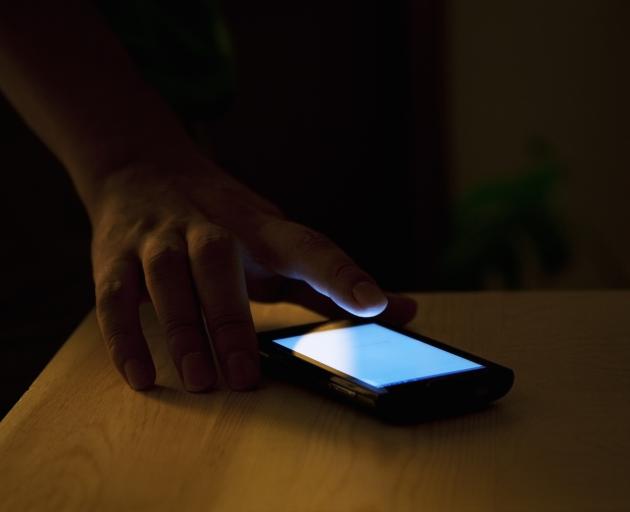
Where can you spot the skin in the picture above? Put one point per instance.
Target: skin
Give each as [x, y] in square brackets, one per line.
[168, 223]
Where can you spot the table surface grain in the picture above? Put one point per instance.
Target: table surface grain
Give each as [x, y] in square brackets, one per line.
[79, 439]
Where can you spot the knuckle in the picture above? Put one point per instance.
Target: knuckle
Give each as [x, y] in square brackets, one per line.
[177, 327]
[160, 258]
[109, 292]
[212, 241]
[143, 225]
[115, 341]
[345, 269]
[222, 321]
[310, 240]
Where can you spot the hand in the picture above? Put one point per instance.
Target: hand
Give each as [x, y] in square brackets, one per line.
[201, 242]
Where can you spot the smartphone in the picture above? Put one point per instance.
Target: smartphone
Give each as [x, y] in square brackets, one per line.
[392, 372]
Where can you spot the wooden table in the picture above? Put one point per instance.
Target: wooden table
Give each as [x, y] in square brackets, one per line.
[79, 439]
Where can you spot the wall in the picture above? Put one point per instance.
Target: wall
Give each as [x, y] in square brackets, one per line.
[557, 70]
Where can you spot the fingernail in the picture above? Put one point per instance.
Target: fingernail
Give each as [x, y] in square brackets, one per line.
[369, 297]
[196, 372]
[243, 370]
[139, 374]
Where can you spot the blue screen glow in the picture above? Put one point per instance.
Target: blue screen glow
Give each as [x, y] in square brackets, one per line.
[376, 355]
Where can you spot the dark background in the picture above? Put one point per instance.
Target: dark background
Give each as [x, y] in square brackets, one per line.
[379, 125]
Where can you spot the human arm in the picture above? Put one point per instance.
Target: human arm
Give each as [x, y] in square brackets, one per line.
[162, 214]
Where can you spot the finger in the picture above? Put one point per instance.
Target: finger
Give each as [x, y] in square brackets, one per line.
[168, 279]
[400, 309]
[298, 252]
[220, 282]
[117, 298]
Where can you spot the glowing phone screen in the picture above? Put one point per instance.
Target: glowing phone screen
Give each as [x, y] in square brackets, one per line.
[376, 355]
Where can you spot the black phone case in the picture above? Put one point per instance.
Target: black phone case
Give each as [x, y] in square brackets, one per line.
[416, 401]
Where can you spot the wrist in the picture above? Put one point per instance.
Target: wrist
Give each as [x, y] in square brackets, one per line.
[153, 154]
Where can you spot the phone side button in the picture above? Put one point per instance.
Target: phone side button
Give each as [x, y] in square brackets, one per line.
[340, 389]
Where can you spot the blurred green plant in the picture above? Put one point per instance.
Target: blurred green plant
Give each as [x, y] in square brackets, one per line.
[498, 222]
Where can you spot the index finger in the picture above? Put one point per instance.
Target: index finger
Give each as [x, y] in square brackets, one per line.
[298, 252]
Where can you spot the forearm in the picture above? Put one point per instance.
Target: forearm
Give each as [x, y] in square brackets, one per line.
[71, 80]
